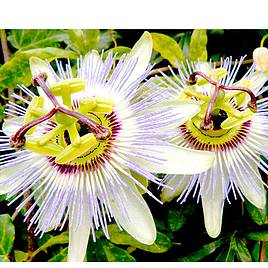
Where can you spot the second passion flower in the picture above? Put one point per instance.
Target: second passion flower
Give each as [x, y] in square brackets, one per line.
[232, 124]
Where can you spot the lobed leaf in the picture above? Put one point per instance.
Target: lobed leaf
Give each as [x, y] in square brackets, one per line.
[202, 252]
[17, 70]
[261, 235]
[168, 48]
[83, 41]
[4, 258]
[63, 238]
[242, 252]
[61, 256]
[7, 234]
[114, 253]
[257, 214]
[106, 39]
[198, 46]
[29, 39]
[20, 256]
[178, 218]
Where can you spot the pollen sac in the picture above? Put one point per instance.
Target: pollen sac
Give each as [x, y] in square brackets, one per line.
[96, 104]
[48, 149]
[35, 106]
[68, 86]
[232, 122]
[71, 152]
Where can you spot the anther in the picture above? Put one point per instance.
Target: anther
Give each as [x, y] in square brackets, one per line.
[42, 76]
[16, 143]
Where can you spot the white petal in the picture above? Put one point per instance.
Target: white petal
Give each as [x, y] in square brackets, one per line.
[250, 184]
[178, 160]
[91, 63]
[183, 110]
[139, 222]
[39, 66]
[141, 52]
[177, 183]
[92, 67]
[78, 236]
[213, 209]
[213, 195]
[12, 125]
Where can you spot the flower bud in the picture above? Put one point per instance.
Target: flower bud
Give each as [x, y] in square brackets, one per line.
[260, 57]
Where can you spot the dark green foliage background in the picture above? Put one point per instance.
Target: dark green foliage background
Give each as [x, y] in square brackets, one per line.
[181, 231]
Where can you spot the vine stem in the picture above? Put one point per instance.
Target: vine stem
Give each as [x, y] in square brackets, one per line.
[4, 45]
[31, 237]
[6, 55]
[262, 251]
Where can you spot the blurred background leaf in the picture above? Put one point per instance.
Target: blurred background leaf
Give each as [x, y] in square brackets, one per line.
[29, 39]
[7, 236]
[168, 48]
[198, 46]
[17, 69]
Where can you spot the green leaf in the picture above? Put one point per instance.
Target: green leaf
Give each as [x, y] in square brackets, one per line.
[178, 218]
[7, 234]
[257, 214]
[115, 254]
[29, 39]
[83, 41]
[237, 248]
[63, 238]
[202, 252]
[256, 251]
[198, 46]
[216, 31]
[168, 48]
[106, 39]
[161, 244]
[92, 37]
[61, 256]
[185, 43]
[20, 256]
[242, 252]
[120, 50]
[2, 196]
[103, 250]
[17, 70]
[4, 258]
[44, 239]
[261, 235]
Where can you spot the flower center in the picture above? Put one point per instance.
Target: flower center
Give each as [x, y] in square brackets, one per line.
[225, 116]
[95, 155]
[213, 140]
[78, 131]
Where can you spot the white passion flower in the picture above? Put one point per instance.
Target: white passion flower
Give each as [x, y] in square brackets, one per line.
[86, 145]
[233, 125]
